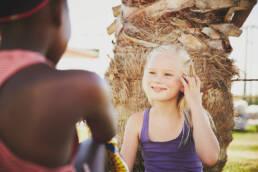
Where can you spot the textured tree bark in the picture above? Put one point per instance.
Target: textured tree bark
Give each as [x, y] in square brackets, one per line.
[203, 28]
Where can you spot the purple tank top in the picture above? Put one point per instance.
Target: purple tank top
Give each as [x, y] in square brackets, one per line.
[169, 156]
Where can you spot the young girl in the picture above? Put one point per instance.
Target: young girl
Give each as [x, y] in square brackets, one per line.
[172, 137]
[39, 105]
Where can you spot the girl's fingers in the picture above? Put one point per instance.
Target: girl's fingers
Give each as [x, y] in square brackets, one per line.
[184, 81]
[198, 81]
[195, 78]
[191, 81]
[194, 83]
[193, 69]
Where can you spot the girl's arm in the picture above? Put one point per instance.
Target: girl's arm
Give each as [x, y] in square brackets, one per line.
[131, 137]
[206, 143]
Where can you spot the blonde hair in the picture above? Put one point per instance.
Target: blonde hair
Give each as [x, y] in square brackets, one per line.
[181, 52]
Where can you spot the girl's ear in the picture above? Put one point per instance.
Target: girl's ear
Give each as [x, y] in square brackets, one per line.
[182, 89]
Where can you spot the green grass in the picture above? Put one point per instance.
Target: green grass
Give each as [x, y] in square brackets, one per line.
[252, 128]
[243, 152]
[244, 147]
[241, 166]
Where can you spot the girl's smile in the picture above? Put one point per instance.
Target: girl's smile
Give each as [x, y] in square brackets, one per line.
[158, 89]
[161, 77]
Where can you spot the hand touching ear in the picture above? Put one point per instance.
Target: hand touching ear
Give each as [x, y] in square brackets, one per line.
[192, 91]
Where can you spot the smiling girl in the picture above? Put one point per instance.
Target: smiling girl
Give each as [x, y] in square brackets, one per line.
[173, 136]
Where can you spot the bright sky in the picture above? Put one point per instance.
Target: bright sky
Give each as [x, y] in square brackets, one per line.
[246, 47]
[89, 20]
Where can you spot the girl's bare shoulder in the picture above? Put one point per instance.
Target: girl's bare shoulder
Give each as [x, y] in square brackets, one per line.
[135, 121]
[71, 93]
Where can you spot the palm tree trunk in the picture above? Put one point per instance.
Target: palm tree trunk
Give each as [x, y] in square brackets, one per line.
[203, 28]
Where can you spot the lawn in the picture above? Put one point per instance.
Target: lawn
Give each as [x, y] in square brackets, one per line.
[243, 152]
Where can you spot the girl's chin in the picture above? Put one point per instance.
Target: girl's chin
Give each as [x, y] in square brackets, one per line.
[161, 99]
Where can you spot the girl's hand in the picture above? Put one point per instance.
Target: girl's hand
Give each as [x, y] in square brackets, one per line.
[192, 87]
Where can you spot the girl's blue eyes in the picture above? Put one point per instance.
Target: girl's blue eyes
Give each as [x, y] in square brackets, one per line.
[166, 74]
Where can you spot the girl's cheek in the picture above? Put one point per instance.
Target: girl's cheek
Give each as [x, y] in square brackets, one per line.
[149, 78]
[178, 80]
[170, 80]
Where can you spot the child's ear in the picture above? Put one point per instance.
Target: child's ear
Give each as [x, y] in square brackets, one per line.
[57, 12]
[182, 89]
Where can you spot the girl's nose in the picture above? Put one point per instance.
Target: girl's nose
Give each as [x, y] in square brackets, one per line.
[157, 79]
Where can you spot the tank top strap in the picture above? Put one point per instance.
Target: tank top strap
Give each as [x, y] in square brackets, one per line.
[12, 61]
[145, 126]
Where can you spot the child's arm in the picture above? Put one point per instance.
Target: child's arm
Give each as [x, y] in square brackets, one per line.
[77, 95]
[206, 143]
[131, 139]
[98, 109]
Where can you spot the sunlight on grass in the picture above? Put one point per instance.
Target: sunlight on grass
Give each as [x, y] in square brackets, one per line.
[246, 165]
[244, 147]
[243, 152]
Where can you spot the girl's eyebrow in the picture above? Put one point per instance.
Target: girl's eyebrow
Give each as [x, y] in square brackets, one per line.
[174, 72]
[164, 69]
[169, 70]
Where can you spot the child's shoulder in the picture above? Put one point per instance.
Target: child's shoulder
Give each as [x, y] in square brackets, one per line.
[76, 81]
[61, 90]
[80, 77]
[137, 117]
[135, 121]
